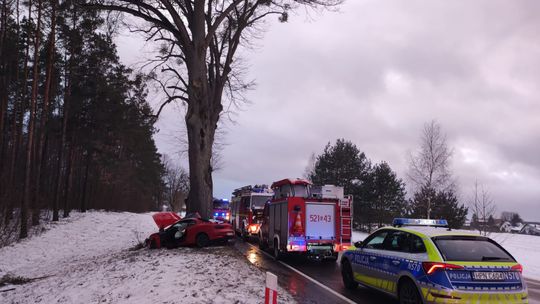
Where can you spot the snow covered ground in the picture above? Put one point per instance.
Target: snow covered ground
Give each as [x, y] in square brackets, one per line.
[88, 259]
[525, 248]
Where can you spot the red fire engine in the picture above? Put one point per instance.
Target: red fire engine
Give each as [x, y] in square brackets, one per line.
[247, 206]
[221, 209]
[316, 221]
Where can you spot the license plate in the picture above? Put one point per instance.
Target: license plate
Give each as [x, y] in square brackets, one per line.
[312, 247]
[489, 276]
[230, 233]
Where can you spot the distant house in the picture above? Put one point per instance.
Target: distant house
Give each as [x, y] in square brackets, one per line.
[517, 228]
[506, 227]
[532, 228]
[493, 224]
[521, 228]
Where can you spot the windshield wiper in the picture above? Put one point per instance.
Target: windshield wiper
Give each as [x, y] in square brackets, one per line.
[492, 258]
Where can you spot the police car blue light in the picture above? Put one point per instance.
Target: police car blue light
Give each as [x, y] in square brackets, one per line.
[419, 222]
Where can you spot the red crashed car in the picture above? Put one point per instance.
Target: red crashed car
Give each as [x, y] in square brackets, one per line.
[189, 231]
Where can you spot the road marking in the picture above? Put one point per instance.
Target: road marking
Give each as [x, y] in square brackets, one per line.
[344, 298]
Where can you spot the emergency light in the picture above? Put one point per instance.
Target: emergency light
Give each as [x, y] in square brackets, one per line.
[398, 222]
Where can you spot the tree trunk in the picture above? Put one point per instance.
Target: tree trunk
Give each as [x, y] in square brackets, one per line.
[68, 181]
[61, 147]
[31, 123]
[200, 139]
[10, 197]
[45, 111]
[18, 119]
[3, 85]
[85, 182]
[201, 122]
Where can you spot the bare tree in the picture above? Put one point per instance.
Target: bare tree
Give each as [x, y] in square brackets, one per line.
[429, 167]
[176, 184]
[482, 207]
[310, 167]
[199, 42]
[507, 216]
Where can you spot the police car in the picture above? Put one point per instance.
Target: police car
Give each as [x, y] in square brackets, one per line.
[423, 261]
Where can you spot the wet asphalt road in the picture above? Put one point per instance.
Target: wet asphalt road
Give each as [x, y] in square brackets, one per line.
[305, 290]
[327, 273]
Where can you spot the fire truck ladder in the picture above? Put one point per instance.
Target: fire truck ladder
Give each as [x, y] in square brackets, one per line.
[346, 212]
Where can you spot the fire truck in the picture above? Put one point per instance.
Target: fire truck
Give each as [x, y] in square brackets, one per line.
[313, 221]
[221, 209]
[246, 207]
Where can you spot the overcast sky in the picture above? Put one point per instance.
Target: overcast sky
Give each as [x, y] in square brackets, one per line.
[373, 74]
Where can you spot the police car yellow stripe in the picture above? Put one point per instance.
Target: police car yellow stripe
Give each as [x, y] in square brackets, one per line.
[385, 285]
[480, 298]
[458, 297]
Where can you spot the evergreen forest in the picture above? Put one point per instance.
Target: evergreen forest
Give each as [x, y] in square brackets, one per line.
[75, 124]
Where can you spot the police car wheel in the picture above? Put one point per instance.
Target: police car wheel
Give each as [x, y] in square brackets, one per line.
[347, 275]
[408, 293]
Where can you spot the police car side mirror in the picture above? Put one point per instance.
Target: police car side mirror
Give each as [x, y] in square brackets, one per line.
[358, 244]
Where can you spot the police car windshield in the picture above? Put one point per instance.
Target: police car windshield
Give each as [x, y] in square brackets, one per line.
[470, 249]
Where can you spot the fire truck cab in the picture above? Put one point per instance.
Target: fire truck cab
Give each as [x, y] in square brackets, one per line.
[221, 209]
[314, 221]
[247, 206]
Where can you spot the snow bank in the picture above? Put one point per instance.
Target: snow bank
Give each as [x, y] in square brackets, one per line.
[359, 236]
[88, 261]
[85, 237]
[525, 248]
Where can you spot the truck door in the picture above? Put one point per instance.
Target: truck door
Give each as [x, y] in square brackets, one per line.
[278, 223]
[272, 224]
[284, 224]
[320, 221]
[264, 223]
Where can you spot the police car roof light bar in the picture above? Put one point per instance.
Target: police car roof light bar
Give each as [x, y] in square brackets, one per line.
[398, 222]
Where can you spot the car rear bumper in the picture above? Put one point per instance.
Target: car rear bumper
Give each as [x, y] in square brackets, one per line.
[225, 236]
[458, 296]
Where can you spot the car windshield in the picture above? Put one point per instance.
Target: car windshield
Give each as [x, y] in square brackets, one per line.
[257, 202]
[471, 249]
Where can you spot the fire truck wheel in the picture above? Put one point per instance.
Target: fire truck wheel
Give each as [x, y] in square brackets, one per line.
[263, 245]
[347, 275]
[277, 253]
[202, 240]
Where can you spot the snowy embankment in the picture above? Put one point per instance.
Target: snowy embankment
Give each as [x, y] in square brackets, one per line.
[525, 248]
[88, 260]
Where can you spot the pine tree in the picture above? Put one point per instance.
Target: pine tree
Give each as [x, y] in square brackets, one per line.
[516, 219]
[341, 164]
[69, 110]
[387, 193]
[444, 205]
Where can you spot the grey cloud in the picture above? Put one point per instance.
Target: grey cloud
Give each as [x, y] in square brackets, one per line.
[376, 72]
